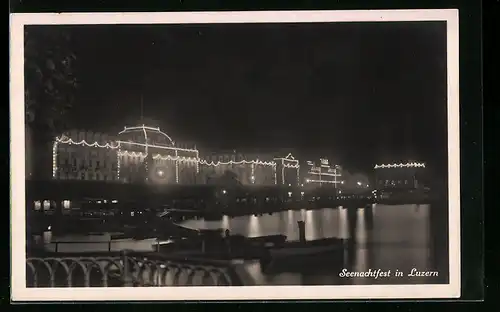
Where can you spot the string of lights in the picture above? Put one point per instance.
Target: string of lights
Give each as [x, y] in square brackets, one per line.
[54, 158]
[84, 143]
[401, 165]
[118, 163]
[144, 128]
[325, 174]
[321, 181]
[156, 146]
[287, 162]
[176, 169]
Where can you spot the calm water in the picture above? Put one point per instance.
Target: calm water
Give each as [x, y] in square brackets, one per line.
[395, 237]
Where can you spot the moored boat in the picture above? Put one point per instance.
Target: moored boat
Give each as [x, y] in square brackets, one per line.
[296, 256]
[309, 248]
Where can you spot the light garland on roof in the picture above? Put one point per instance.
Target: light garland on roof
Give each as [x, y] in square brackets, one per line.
[85, 143]
[401, 165]
[119, 144]
[157, 146]
[323, 170]
[292, 163]
[143, 128]
[176, 168]
[241, 162]
[325, 174]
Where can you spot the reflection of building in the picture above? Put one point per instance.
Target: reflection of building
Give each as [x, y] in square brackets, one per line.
[147, 155]
[399, 176]
[323, 173]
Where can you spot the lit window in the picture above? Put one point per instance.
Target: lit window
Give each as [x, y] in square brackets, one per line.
[66, 204]
[46, 205]
[38, 205]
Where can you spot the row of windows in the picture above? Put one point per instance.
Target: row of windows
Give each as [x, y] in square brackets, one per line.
[90, 163]
[88, 175]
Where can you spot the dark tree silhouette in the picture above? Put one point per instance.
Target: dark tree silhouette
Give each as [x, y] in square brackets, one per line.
[50, 85]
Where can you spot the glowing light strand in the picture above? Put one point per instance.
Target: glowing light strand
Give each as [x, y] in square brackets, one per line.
[321, 181]
[241, 162]
[85, 143]
[144, 128]
[157, 146]
[401, 165]
[292, 162]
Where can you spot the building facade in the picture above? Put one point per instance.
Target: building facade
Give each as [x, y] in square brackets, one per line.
[145, 154]
[399, 176]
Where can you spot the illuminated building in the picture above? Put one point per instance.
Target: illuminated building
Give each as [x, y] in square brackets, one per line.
[145, 154]
[287, 171]
[323, 174]
[73, 159]
[399, 175]
[249, 168]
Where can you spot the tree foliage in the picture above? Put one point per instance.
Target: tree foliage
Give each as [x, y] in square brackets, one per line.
[50, 82]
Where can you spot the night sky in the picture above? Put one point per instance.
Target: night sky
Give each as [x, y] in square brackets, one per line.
[359, 93]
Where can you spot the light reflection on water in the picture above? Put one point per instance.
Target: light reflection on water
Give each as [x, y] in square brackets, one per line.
[398, 238]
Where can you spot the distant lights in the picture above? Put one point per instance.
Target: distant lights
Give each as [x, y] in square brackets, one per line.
[401, 165]
[325, 174]
[322, 181]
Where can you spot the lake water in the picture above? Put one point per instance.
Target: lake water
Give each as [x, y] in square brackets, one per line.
[396, 237]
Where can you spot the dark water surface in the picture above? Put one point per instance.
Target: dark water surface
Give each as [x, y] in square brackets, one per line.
[396, 237]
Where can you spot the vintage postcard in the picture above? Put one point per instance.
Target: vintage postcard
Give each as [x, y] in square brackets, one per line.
[277, 155]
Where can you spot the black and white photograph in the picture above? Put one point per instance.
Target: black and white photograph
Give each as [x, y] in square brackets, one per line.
[268, 153]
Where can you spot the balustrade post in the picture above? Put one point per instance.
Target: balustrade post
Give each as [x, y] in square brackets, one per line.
[302, 231]
[126, 273]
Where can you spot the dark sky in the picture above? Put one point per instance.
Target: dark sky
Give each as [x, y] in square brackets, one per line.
[360, 93]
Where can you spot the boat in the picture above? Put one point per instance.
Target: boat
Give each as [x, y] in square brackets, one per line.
[299, 256]
[310, 248]
[98, 242]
